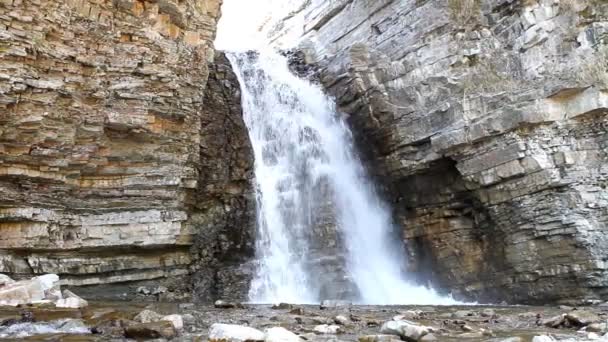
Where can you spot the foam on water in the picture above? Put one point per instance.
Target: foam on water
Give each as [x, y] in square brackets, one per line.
[301, 142]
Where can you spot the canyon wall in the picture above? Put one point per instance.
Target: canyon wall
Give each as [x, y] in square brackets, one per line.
[486, 122]
[114, 171]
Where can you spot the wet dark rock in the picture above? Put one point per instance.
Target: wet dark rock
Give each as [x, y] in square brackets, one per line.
[153, 330]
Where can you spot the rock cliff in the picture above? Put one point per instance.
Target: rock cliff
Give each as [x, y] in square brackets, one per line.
[111, 161]
[486, 120]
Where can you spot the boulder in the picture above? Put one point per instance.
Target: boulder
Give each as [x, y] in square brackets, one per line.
[22, 292]
[234, 333]
[554, 321]
[341, 320]
[279, 334]
[147, 316]
[598, 327]
[327, 329]
[582, 318]
[5, 280]
[408, 331]
[71, 300]
[176, 320]
[152, 330]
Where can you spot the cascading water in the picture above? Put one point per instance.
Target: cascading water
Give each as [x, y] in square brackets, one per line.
[310, 183]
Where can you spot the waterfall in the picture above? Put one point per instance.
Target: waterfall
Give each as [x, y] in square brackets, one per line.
[322, 230]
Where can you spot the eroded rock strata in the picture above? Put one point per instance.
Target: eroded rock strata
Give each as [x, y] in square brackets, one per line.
[110, 161]
[486, 120]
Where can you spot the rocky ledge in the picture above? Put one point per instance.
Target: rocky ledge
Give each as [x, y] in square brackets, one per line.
[333, 321]
[117, 169]
[486, 121]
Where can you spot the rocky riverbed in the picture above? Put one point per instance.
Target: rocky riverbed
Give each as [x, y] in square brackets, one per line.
[286, 322]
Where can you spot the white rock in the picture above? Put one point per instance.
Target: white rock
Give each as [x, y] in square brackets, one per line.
[327, 329]
[5, 280]
[176, 320]
[405, 329]
[22, 292]
[234, 333]
[341, 320]
[72, 303]
[543, 338]
[279, 334]
[47, 281]
[71, 300]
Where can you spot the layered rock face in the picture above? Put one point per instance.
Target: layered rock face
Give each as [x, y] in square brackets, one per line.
[487, 121]
[109, 159]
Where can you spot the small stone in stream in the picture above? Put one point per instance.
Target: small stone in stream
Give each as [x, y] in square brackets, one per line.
[379, 338]
[582, 318]
[463, 314]
[189, 319]
[553, 322]
[355, 318]
[144, 291]
[476, 334]
[297, 311]
[70, 300]
[543, 338]
[466, 328]
[27, 317]
[159, 290]
[327, 329]
[220, 304]
[341, 320]
[565, 308]
[279, 334]
[598, 327]
[160, 329]
[407, 330]
[176, 320]
[282, 306]
[234, 333]
[408, 315]
[147, 316]
[330, 304]
[429, 337]
[593, 336]
[321, 320]
[372, 323]
[488, 313]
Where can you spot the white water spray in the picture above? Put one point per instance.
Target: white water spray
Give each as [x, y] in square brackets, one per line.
[302, 147]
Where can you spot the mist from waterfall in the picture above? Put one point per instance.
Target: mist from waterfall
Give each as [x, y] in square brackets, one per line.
[303, 155]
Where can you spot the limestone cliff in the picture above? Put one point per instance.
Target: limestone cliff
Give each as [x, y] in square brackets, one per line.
[110, 162]
[487, 121]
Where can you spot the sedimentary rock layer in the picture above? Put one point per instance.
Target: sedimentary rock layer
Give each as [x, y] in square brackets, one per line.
[105, 143]
[487, 120]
